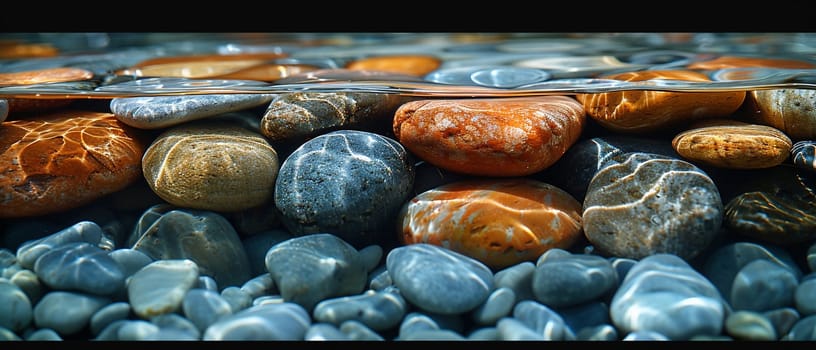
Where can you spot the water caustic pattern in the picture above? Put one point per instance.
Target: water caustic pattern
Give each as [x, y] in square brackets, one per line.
[383, 186]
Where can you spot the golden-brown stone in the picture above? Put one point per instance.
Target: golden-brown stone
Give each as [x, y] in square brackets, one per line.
[498, 222]
[637, 111]
[415, 65]
[13, 49]
[211, 166]
[792, 111]
[41, 76]
[199, 66]
[490, 137]
[63, 160]
[733, 144]
[724, 62]
[268, 72]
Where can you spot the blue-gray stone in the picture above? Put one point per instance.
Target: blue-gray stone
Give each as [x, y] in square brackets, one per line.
[12, 270]
[663, 294]
[67, 312]
[350, 183]
[7, 258]
[601, 332]
[377, 310]
[30, 284]
[130, 260]
[258, 244]
[803, 330]
[324, 331]
[16, 311]
[155, 112]
[204, 307]
[543, 321]
[562, 280]
[506, 77]
[484, 334]
[160, 287]
[262, 284]
[111, 331]
[645, 335]
[723, 264]
[379, 279]
[205, 237]
[268, 299]
[237, 298]
[137, 330]
[439, 280]
[805, 295]
[519, 278]
[433, 335]
[177, 326]
[512, 329]
[762, 285]
[782, 319]
[83, 231]
[7, 334]
[356, 330]
[315, 267]
[414, 321]
[108, 314]
[206, 282]
[811, 258]
[371, 256]
[750, 325]
[82, 267]
[499, 304]
[622, 266]
[44, 334]
[287, 321]
[586, 315]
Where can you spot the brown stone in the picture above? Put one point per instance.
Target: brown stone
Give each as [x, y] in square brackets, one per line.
[415, 65]
[63, 160]
[793, 111]
[13, 49]
[490, 137]
[498, 222]
[724, 62]
[637, 111]
[42, 76]
[733, 144]
[199, 66]
[268, 72]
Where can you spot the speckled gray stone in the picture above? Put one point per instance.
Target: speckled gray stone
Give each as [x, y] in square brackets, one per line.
[647, 204]
[377, 310]
[67, 313]
[155, 112]
[83, 231]
[662, 293]
[160, 287]
[16, 310]
[349, 183]
[562, 281]
[204, 237]
[80, 266]
[314, 267]
[287, 321]
[426, 274]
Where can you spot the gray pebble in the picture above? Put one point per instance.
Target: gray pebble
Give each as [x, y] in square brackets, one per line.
[762, 285]
[262, 284]
[237, 298]
[7, 334]
[268, 299]
[155, 112]
[111, 331]
[414, 322]
[622, 266]
[519, 278]
[176, 325]
[7, 258]
[811, 258]
[782, 319]
[258, 244]
[645, 335]
[805, 295]
[206, 282]
[204, 307]
[499, 304]
[512, 329]
[803, 330]
[16, 310]
[83, 231]
[130, 260]
[67, 313]
[44, 334]
[377, 310]
[379, 279]
[108, 314]
[433, 335]
[749, 325]
[586, 315]
[663, 294]
[133, 330]
[314, 267]
[80, 266]
[12, 270]
[287, 321]
[324, 331]
[160, 287]
[485, 334]
[30, 284]
[350, 183]
[426, 274]
[562, 280]
[371, 256]
[602, 332]
[356, 330]
[543, 321]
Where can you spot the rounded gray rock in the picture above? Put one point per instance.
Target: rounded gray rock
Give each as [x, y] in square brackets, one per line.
[83, 231]
[156, 112]
[562, 281]
[16, 311]
[762, 285]
[499, 304]
[750, 325]
[377, 310]
[519, 278]
[108, 314]
[542, 320]
[82, 267]
[67, 313]
[805, 295]
[204, 307]
[287, 321]
[160, 287]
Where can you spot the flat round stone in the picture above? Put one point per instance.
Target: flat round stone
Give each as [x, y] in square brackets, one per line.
[641, 112]
[155, 112]
[88, 154]
[732, 144]
[498, 222]
[490, 137]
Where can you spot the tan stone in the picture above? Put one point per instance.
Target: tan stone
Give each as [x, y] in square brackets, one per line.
[41, 76]
[415, 65]
[637, 111]
[211, 166]
[733, 144]
[724, 62]
[792, 111]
